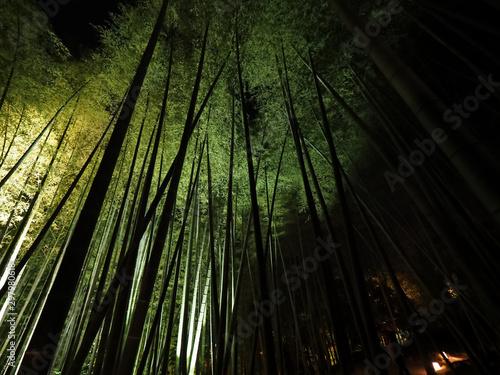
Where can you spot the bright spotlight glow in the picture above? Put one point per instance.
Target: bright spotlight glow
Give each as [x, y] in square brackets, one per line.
[436, 366]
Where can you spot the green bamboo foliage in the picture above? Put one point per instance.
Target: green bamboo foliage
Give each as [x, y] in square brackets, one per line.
[334, 305]
[13, 65]
[41, 296]
[164, 184]
[263, 284]
[4, 155]
[34, 246]
[93, 328]
[21, 231]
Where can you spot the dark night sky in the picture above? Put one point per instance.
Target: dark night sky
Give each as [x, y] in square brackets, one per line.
[72, 22]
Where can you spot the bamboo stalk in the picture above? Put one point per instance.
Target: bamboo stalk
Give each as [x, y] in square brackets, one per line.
[263, 285]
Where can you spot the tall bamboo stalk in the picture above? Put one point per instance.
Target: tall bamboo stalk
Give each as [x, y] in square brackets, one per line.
[358, 277]
[4, 156]
[270, 357]
[60, 297]
[334, 305]
[224, 318]
[126, 364]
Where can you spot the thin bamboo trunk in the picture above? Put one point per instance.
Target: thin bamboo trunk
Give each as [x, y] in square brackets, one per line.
[224, 318]
[126, 365]
[358, 276]
[13, 64]
[4, 156]
[213, 267]
[270, 356]
[470, 157]
[37, 139]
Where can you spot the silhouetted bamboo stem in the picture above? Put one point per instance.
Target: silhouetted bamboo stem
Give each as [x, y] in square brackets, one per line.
[126, 365]
[267, 340]
[225, 267]
[332, 294]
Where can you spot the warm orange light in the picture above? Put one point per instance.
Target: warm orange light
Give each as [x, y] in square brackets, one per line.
[436, 366]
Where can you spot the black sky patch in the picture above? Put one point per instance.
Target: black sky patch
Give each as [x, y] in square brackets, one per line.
[72, 22]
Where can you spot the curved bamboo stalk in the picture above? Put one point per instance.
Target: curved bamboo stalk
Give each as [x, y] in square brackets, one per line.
[214, 295]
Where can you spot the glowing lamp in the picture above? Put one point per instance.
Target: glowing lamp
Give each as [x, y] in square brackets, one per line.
[436, 366]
